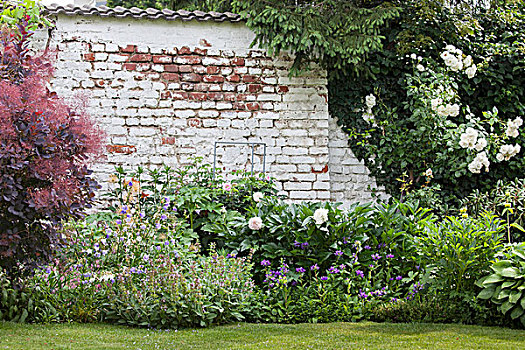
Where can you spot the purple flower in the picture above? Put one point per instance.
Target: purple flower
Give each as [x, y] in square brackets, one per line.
[48, 270]
[324, 278]
[174, 210]
[338, 253]
[333, 270]
[108, 230]
[163, 217]
[142, 227]
[367, 247]
[297, 244]
[157, 225]
[130, 184]
[300, 269]
[360, 273]
[304, 245]
[376, 257]
[314, 267]
[399, 278]
[118, 222]
[390, 256]
[265, 263]
[362, 294]
[142, 215]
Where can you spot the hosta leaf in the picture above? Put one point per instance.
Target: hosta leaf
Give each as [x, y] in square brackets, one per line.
[503, 294]
[514, 296]
[510, 272]
[507, 284]
[500, 265]
[505, 307]
[494, 278]
[517, 312]
[486, 293]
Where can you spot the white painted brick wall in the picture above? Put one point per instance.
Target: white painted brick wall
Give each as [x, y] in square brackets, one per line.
[163, 97]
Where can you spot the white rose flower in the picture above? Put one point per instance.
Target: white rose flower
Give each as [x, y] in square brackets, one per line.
[370, 101]
[368, 116]
[512, 132]
[453, 110]
[467, 61]
[482, 143]
[509, 151]
[471, 71]
[500, 157]
[257, 196]
[413, 56]
[255, 223]
[442, 111]
[429, 173]
[518, 122]
[478, 163]
[475, 167]
[321, 216]
[435, 103]
[456, 66]
[420, 68]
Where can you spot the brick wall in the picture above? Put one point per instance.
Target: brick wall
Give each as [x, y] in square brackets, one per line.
[167, 90]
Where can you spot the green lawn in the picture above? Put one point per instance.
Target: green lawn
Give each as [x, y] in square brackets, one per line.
[363, 335]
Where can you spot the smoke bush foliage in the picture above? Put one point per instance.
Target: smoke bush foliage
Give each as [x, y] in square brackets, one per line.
[44, 151]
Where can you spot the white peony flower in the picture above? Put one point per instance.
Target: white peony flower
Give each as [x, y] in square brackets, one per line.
[257, 196]
[471, 71]
[420, 68]
[255, 223]
[456, 65]
[480, 146]
[370, 101]
[321, 216]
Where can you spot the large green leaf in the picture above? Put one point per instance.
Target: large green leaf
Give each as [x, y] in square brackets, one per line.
[494, 278]
[510, 272]
[514, 296]
[517, 312]
[486, 293]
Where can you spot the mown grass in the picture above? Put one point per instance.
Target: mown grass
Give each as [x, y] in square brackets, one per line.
[365, 335]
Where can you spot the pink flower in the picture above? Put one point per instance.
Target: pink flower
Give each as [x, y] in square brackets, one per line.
[227, 186]
[255, 223]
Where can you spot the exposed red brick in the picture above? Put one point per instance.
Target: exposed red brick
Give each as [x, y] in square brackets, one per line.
[198, 96]
[253, 106]
[171, 68]
[322, 171]
[325, 96]
[194, 123]
[170, 76]
[90, 57]
[241, 97]
[191, 77]
[237, 61]
[168, 140]
[204, 43]
[185, 69]
[212, 69]
[199, 51]
[184, 50]
[239, 106]
[282, 89]
[250, 78]
[188, 60]
[254, 88]
[128, 49]
[100, 83]
[234, 78]
[165, 95]
[213, 79]
[162, 59]
[229, 97]
[215, 96]
[140, 58]
[179, 95]
[123, 149]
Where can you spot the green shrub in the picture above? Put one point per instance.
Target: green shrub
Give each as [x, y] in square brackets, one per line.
[456, 252]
